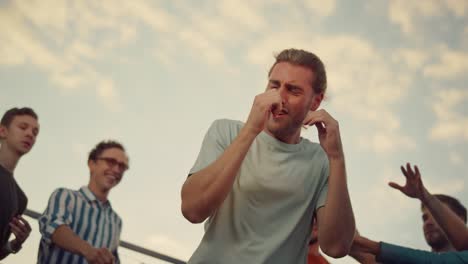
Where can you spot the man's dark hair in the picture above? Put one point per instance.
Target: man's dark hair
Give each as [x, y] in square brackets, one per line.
[307, 60]
[453, 204]
[13, 112]
[103, 145]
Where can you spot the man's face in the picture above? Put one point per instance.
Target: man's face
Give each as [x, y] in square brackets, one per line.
[108, 169]
[433, 234]
[294, 86]
[21, 134]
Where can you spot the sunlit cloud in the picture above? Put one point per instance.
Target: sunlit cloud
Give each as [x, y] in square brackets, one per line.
[242, 13]
[414, 59]
[410, 14]
[321, 8]
[456, 158]
[108, 94]
[450, 64]
[451, 124]
[450, 187]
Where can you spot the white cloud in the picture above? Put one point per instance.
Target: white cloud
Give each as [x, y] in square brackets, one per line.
[321, 8]
[159, 19]
[408, 14]
[452, 187]
[457, 7]
[414, 59]
[451, 125]
[383, 142]
[403, 13]
[108, 94]
[243, 13]
[204, 46]
[456, 158]
[55, 46]
[451, 64]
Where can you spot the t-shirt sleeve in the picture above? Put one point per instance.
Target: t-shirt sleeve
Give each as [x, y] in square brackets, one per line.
[395, 254]
[57, 213]
[324, 190]
[215, 142]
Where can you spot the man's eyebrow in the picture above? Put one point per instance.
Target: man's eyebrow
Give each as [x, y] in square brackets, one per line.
[276, 82]
[292, 86]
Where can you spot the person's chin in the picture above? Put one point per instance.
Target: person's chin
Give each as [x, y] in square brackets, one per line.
[277, 124]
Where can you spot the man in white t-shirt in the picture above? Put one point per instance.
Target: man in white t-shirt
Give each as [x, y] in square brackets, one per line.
[259, 183]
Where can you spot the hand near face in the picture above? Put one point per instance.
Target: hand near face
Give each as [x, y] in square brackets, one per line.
[413, 187]
[20, 229]
[263, 105]
[328, 132]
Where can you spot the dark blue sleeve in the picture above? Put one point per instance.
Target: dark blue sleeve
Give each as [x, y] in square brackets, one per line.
[395, 254]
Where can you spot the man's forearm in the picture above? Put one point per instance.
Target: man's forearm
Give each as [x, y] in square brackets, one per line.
[65, 238]
[397, 254]
[363, 258]
[453, 226]
[337, 226]
[204, 191]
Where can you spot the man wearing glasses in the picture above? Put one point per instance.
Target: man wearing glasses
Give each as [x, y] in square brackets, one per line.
[81, 226]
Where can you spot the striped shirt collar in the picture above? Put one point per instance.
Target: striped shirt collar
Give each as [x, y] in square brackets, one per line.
[89, 195]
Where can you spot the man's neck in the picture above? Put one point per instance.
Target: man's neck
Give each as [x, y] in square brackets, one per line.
[8, 159]
[100, 194]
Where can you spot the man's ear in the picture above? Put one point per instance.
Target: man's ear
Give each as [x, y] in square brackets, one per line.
[316, 101]
[91, 164]
[3, 132]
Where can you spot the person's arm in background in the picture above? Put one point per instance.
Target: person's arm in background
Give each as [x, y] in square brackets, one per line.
[336, 225]
[65, 238]
[388, 254]
[204, 191]
[451, 223]
[359, 255]
[54, 228]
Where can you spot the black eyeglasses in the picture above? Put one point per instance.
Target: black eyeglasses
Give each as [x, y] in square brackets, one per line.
[113, 162]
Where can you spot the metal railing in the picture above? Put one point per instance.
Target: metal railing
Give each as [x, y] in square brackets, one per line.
[127, 245]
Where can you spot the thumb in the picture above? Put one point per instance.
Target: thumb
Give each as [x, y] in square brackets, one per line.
[396, 186]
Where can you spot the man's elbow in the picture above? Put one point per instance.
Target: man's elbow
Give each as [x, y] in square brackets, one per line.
[336, 250]
[191, 215]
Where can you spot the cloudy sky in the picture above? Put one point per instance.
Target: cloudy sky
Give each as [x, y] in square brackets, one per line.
[155, 74]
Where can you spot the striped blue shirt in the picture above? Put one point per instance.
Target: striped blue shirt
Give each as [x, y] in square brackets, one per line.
[92, 220]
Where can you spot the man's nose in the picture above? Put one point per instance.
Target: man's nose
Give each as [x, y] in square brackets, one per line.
[30, 134]
[283, 94]
[428, 223]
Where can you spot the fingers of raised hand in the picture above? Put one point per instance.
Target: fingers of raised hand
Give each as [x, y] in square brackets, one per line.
[268, 100]
[416, 169]
[409, 172]
[403, 170]
[24, 223]
[322, 116]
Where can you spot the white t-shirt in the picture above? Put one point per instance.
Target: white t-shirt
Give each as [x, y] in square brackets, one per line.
[266, 218]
